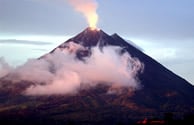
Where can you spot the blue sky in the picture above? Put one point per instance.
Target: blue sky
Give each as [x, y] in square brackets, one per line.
[164, 29]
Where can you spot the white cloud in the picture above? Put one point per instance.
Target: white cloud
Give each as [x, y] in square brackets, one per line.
[61, 73]
[5, 68]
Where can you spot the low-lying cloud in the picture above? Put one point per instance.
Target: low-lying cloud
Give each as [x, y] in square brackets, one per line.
[5, 68]
[63, 73]
[24, 42]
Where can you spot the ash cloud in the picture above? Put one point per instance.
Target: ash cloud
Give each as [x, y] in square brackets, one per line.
[62, 73]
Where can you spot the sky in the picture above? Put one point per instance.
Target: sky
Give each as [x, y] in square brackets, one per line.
[163, 29]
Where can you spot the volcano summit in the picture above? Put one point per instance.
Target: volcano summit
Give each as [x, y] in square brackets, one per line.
[93, 78]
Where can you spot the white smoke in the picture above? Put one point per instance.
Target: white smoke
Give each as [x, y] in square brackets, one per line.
[88, 9]
[62, 73]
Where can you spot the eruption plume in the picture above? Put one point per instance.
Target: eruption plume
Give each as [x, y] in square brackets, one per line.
[88, 9]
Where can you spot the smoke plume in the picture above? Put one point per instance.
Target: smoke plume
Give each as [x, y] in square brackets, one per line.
[63, 73]
[88, 9]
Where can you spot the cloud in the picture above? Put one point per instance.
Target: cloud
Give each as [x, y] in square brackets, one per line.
[63, 73]
[5, 68]
[24, 42]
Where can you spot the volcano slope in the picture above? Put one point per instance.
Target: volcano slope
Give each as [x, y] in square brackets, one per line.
[160, 91]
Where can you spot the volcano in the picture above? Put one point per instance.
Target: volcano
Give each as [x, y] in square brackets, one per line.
[161, 92]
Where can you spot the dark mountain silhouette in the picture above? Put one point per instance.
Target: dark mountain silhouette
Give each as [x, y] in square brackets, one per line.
[162, 92]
